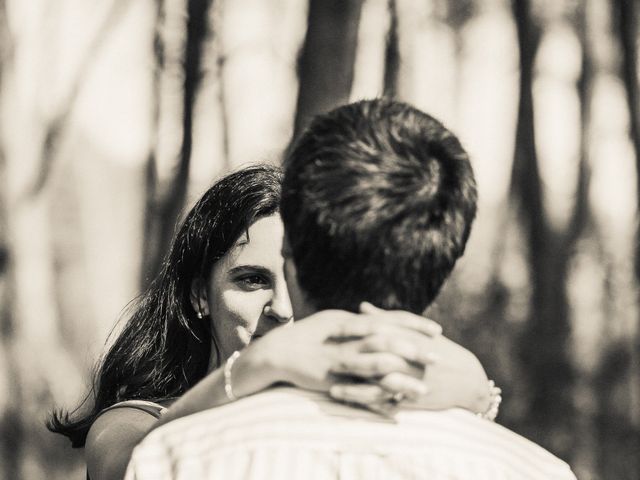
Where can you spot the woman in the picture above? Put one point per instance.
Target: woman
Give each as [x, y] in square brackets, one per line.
[221, 288]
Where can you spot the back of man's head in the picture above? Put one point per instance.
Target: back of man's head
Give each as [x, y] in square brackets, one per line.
[378, 201]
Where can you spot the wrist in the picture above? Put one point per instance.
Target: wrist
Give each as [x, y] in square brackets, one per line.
[479, 394]
[252, 371]
[480, 401]
[228, 381]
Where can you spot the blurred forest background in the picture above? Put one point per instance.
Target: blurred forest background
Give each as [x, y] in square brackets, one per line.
[116, 114]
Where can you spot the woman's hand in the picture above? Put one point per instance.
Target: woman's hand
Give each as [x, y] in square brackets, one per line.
[453, 377]
[456, 379]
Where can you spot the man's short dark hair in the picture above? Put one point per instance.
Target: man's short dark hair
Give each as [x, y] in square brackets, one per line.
[378, 201]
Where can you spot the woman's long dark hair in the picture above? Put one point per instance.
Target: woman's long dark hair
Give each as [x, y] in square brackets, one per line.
[164, 349]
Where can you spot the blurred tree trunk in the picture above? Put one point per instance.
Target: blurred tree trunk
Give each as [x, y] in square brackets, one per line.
[581, 217]
[619, 421]
[8, 458]
[544, 342]
[34, 355]
[627, 17]
[325, 66]
[165, 204]
[392, 53]
[586, 440]
[151, 245]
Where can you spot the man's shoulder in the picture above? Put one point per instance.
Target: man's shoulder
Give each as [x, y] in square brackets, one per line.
[469, 435]
[452, 432]
[297, 420]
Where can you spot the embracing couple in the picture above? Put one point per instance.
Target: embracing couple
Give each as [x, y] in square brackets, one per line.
[354, 241]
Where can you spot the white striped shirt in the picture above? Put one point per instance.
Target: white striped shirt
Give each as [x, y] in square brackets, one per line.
[286, 433]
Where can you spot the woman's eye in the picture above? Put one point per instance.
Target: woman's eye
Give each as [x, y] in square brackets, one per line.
[252, 282]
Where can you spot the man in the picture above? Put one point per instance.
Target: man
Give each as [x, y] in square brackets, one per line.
[378, 201]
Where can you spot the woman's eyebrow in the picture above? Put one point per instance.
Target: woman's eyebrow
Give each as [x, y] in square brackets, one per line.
[250, 268]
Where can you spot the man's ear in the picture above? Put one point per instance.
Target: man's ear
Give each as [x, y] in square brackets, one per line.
[198, 297]
[299, 300]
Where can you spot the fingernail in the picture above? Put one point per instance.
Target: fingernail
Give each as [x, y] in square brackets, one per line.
[370, 307]
[417, 389]
[435, 329]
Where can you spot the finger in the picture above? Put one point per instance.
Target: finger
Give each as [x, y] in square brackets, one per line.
[353, 327]
[370, 365]
[413, 349]
[403, 318]
[410, 387]
[366, 307]
[361, 394]
[386, 408]
[414, 322]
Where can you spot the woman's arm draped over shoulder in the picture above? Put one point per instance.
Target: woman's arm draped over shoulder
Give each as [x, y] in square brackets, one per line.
[252, 373]
[300, 354]
[394, 362]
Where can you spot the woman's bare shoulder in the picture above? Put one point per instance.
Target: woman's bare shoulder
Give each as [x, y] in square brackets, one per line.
[112, 438]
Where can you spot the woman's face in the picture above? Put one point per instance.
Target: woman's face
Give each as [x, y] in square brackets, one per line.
[247, 294]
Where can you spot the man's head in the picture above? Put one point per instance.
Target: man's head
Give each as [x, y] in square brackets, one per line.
[378, 201]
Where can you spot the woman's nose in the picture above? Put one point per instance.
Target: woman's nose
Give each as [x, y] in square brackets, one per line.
[279, 308]
[276, 314]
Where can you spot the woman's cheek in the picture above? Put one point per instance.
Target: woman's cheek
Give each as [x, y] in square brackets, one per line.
[244, 309]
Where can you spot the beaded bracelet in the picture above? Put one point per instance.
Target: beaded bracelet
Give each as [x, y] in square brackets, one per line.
[494, 402]
[227, 376]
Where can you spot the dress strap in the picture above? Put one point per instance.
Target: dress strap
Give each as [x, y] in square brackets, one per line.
[152, 408]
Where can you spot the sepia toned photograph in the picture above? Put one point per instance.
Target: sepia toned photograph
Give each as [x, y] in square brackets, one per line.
[319, 239]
